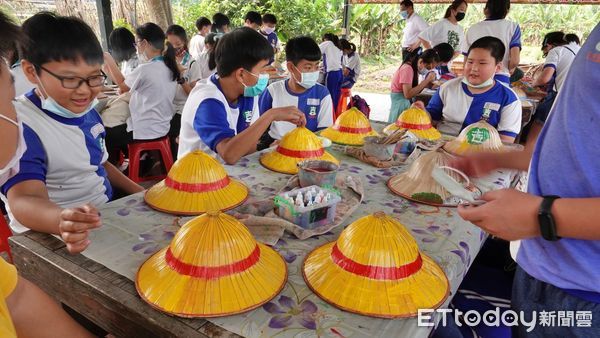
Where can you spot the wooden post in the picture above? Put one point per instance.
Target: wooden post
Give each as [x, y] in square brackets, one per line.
[104, 21]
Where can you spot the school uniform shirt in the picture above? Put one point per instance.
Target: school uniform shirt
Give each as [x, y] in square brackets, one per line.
[403, 75]
[315, 103]
[22, 85]
[273, 41]
[197, 45]
[128, 66]
[456, 107]
[444, 31]
[66, 154]
[151, 105]
[191, 73]
[12, 167]
[414, 26]
[352, 63]
[203, 69]
[565, 162]
[8, 283]
[560, 59]
[332, 56]
[208, 118]
[507, 31]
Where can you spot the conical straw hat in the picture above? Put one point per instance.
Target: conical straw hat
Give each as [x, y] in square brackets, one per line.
[375, 269]
[213, 267]
[418, 122]
[350, 128]
[477, 137]
[196, 184]
[417, 184]
[296, 146]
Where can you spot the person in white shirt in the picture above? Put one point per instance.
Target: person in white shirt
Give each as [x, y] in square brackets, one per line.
[507, 31]
[205, 66]
[152, 85]
[332, 66]
[351, 63]
[197, 42]
[220, 23]
[447, 30]
[414, 26]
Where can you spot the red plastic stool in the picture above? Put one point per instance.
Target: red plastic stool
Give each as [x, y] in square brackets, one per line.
[345, 97]
[135, 151]
[5, 233]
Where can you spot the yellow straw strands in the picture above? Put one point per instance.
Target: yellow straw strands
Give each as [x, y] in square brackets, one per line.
[418, 122]
[350, 128]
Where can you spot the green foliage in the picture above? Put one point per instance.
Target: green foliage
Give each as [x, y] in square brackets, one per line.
[122, 23]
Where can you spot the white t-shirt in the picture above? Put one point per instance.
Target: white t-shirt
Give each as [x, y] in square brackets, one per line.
[332, 56]
[414, 26]
[22, 85]
[444, 31]
[353, 62]
[151, 105]
[560, 58]
[128, 66]
[191, 73]
[197, 45]
[507, 31]
[12, 167]
[203, 69]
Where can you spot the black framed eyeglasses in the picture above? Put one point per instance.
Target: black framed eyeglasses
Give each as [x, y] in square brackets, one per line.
[74, 82]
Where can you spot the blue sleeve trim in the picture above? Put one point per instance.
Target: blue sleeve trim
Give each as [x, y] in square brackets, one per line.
[507, 133]
[549, 65]
[435, 106]
[211, 123]
[265, 102]
[515, 41]
[21, 178]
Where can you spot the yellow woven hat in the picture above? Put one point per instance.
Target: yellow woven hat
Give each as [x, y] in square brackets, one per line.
[296, 146]
[417, 184]
[196, 184]
[350, 128]
[375, 269]
[213, 267]
[418, 122]
[477, 137]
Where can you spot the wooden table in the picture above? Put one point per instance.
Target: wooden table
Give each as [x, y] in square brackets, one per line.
[103, 296]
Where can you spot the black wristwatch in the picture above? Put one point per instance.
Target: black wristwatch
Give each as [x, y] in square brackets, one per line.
[546, 220]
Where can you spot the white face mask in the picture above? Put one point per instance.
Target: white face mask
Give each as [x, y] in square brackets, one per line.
[486, 83]
[268, 30]
[50, 104]
[308, 79]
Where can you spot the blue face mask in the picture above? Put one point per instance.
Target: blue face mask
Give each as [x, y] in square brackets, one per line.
[259, 87]
[50, 104]
[308, 80]
[404, 14]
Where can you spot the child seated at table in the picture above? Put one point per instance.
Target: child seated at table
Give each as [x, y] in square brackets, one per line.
[405, 83]
[300, 90]
[63, 173]
[221, 115]
[466, 99]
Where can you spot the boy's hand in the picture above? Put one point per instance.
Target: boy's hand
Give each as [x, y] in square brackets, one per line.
[290, 114]
[476, 165]
[508, 214]
[430, 77]
[75, 224]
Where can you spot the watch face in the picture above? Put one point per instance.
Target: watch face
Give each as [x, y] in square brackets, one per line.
[547, 226]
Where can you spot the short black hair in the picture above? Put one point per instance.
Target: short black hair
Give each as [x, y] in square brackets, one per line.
[333, 38]
[202, 22]
[554, 38]
[445, 51]
[302, 48]
[10, 35]
[253, 17]
[179, 32]
[155, 36]
[121, 44]
[571, 37]
[497, 9]
[491, 44]
[430, 56]
[212, 38]
[269, 18]
[242, 48]
[53, 37]
[219, 20]
[407, 3]
[345, 44]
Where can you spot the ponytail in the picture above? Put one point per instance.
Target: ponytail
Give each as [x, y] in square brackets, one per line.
[171, 62]
[453, 6]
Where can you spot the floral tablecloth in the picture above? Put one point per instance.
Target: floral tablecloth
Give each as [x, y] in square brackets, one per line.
[132, 231]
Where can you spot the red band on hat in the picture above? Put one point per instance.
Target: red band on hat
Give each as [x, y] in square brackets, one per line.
[413, 126]
[375, 272]
[197, 187]
[211, 272]
[300, 153]
[351, 130]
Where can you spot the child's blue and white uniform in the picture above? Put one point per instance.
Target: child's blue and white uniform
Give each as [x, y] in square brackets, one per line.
[208, 118]
[352, 63]
[456, 107]
[66, 154]
[273, 40]
[315, 103]
[507, 31]
[332, 67]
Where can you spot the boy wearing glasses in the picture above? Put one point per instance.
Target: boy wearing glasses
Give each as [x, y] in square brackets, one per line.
[63, 174]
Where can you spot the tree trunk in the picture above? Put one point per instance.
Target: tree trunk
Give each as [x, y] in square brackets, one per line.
[159, 12]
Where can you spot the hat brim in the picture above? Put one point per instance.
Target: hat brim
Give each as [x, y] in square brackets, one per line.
[395, 188]
[169, 200]
[184, 296]
[463, 148]
[289, 165]
[339, 137]
[430, 134]
[426, 289]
